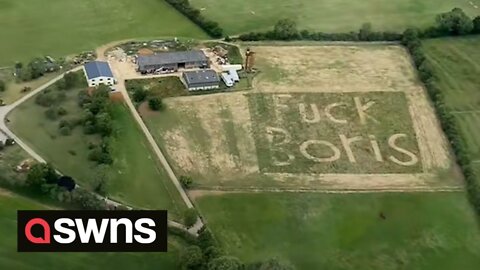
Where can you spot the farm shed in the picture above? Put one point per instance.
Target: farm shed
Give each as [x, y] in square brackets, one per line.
[172, 61]
[201, 80]
[97, 73]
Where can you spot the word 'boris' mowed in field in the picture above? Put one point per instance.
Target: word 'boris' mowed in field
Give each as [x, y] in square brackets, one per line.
[334, 133]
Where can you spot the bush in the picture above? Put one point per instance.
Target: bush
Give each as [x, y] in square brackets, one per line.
[62, 111]
[476, 25]
[225, 263]
[51, 113]
[66, 130]
[2, 86]
[71, 79]
[190, 217]
[100, 155]
[46, 99]
[191, 258]
[139, 94]
[155, 104]
[186, 181]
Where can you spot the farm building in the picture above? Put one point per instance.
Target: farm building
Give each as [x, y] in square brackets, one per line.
[201, 79]
[171, 61]
[97, 73]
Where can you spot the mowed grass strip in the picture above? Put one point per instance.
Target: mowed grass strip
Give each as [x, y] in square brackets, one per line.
[32, 28]
[11, 259]
[456, 62]
[333, 231]
[135, 176]
[239, 16]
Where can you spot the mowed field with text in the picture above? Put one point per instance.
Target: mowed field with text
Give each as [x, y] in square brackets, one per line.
[319, 117]
[32, 28]
[329, 15]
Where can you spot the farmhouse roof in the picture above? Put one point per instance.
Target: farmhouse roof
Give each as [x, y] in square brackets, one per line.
[97, 69]
[201, 76]
[171, 58]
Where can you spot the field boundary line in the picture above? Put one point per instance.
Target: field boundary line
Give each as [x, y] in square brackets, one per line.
[337, 190]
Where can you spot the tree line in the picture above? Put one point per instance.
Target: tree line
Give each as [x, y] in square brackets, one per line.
[454, 22]
[204, 253]
[210, 27]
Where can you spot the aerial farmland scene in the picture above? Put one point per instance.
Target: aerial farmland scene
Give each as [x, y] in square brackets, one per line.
[240, 135]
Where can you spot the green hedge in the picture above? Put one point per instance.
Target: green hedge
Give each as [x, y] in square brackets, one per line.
[183, 6]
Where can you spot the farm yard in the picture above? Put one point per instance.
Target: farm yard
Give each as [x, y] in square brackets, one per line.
[279, 135]
[347, 231]
[11, 259]
[329, 15]
[456, 64]
[136, 178]
[30, 28]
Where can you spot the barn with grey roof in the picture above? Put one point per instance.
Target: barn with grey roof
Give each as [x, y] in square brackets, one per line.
[171, 61]
[98, 72]
[204, 79]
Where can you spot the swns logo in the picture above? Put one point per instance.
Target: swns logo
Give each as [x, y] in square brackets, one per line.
[92, 231]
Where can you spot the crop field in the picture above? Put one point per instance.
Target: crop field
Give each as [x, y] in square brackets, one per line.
[241, 16]
[348, 231]
[456, 62]
[11, 259]
[319, 117]
[135, 176]
[30, 28]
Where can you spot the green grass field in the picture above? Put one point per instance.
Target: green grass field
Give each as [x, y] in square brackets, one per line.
[240, 16]
[31, 28]
[135, 176]
[456, 62]
[330, 231]
[11, 259]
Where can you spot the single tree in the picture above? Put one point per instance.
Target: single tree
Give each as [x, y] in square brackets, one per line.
[191, 258]
[155, 104]
[190, 217]
[476, 25]
[139, 94]
[285, 29]
[454, 22]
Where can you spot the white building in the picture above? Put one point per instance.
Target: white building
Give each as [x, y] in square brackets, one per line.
[97, 73]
